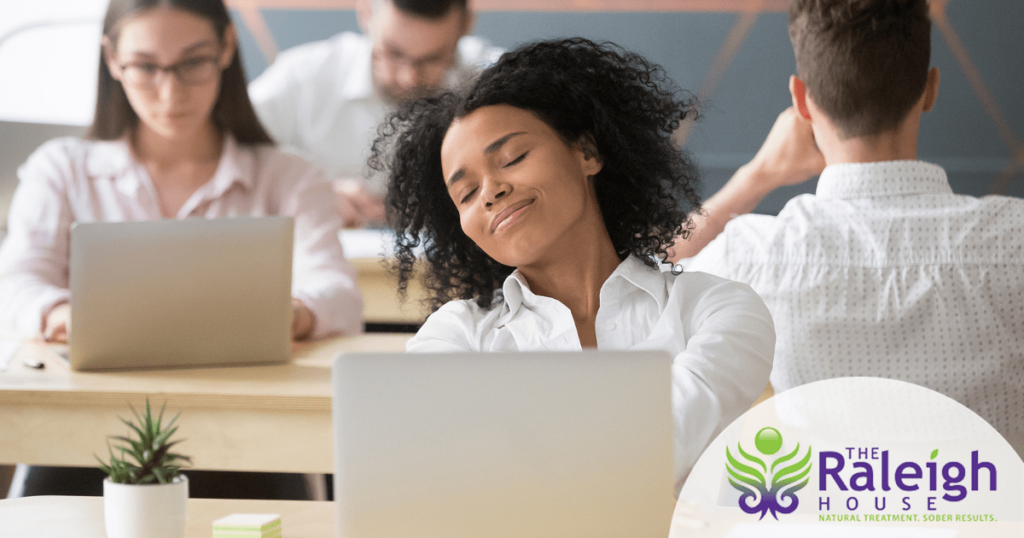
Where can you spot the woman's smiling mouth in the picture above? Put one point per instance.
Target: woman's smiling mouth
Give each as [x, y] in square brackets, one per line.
[509, 216]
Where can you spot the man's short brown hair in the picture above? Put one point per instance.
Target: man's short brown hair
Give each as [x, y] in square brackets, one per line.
[430, 9]
[864, 62]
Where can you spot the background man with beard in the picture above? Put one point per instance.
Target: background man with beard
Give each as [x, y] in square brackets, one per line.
[325, 99]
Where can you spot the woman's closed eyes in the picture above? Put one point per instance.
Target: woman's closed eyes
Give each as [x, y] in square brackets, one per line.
[517, 160]
[513, 162]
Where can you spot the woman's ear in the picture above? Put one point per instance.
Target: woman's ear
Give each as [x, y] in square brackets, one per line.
[230, 45]
[109, 56]
[591, 162]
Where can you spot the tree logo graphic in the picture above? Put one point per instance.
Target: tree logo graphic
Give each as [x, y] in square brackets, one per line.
[765, 489]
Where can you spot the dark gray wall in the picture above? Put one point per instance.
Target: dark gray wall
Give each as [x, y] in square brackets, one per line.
[958, 134]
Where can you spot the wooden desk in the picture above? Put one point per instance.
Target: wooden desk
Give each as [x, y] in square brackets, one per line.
[261, 418]
[264, 418]
[82, 517]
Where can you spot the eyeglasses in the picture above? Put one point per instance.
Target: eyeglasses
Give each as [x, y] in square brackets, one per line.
[431, 65]
[194, 71]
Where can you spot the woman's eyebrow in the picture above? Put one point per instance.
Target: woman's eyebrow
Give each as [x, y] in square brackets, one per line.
[491, 148]
[496, 145]
[456, 176]
[190, 48]
[200, 44]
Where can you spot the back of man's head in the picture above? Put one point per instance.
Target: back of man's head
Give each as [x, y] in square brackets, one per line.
[863, 62]
[430, 9]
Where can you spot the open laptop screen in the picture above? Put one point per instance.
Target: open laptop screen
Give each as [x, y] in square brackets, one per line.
[497, 444]
[180, 292]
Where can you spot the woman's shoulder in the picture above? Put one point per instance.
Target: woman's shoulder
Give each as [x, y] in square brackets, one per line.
[697, 290]
[66, 149]
[72, 157]
[266, 153]
[695, 280]
[468, 314]
[268, 162]
[684, 284]
[458, 325]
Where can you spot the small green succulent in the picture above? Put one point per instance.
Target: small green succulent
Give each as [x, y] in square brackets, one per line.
[149, 459]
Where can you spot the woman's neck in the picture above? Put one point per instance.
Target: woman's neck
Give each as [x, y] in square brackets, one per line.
[177, 167]
[576, 271]
[203, 146]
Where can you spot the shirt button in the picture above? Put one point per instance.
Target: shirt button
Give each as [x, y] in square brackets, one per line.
[610, 326]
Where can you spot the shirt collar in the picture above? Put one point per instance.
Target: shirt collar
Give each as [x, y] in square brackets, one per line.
[114, 158]
[109, 158]
[235, 166]
[880, 179]
[632, 271]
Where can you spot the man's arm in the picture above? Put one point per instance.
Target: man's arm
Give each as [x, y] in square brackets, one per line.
[787, 157]
[357, 205]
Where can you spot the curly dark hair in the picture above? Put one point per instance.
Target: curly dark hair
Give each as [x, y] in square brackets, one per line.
[626, 105]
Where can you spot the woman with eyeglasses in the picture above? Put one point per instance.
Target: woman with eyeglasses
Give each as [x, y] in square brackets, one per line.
[174, 136]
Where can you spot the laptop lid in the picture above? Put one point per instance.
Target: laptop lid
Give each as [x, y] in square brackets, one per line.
[503, 445]
[187, 292]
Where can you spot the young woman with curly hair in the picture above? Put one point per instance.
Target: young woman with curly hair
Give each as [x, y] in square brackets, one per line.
[541, 197]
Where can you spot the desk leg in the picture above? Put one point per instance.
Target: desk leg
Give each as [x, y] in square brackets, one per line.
[316, 485]
[6, 474]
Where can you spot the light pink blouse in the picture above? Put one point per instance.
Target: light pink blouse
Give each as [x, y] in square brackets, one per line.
[71, 180]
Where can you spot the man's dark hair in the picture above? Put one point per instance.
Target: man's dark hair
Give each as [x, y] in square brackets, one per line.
[583, 90]
[864, 62]
[431, 9]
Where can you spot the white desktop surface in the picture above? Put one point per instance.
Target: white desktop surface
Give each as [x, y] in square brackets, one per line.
[82, 517]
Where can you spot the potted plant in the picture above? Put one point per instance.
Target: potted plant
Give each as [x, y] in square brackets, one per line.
[144, 494]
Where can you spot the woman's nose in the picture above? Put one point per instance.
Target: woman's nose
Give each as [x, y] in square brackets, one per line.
[494, 190]
[169, 87]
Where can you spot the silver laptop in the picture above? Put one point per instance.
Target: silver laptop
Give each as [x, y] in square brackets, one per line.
[524, 445]
[174, 293]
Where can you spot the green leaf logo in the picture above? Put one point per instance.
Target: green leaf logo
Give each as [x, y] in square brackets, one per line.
[935, 453]
[762, 484]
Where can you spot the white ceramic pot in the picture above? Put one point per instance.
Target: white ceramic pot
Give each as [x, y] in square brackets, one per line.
[145, 511]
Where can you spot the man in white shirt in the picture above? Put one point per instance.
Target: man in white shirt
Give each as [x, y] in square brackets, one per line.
[325, 99]
[883, 271]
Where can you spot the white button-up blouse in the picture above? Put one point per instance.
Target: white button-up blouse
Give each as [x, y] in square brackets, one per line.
[719, 332]
[71, 180]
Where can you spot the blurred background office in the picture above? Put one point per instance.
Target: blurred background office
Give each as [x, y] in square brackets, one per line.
[734, 54]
